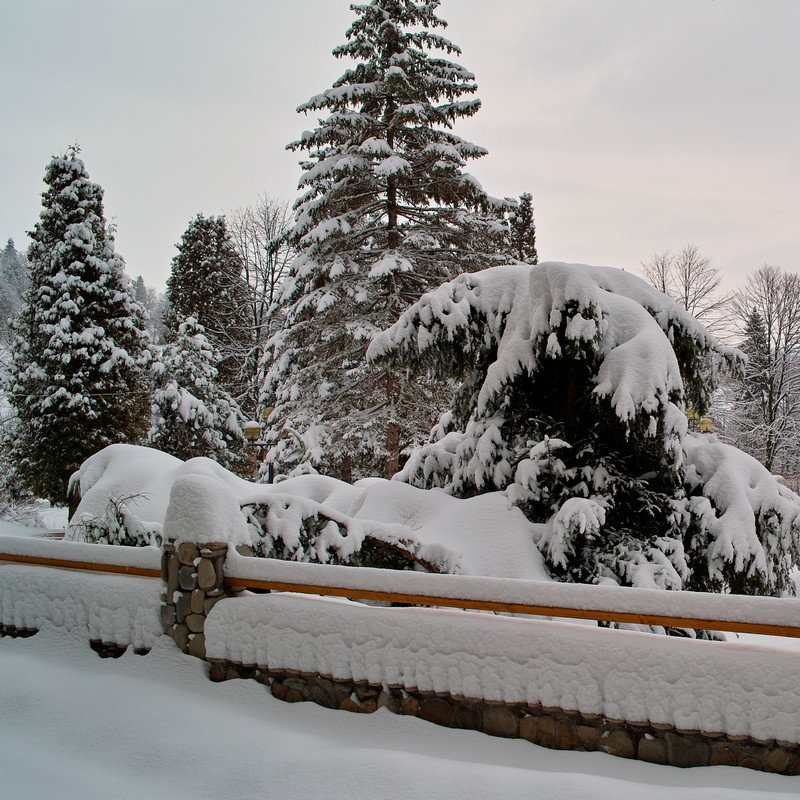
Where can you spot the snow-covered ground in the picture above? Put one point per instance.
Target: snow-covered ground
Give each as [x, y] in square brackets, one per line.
[54, 518]
[154, 726]
[73, 726]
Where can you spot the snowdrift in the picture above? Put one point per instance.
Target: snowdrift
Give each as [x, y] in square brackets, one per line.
[478, 536]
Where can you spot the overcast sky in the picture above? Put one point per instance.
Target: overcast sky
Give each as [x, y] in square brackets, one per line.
[638, 125]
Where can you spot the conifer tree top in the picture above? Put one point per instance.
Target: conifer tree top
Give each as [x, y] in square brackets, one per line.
[71, 198]
[206, 280]
[385, 157]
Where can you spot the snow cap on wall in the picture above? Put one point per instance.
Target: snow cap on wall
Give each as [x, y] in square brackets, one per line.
[202, 509]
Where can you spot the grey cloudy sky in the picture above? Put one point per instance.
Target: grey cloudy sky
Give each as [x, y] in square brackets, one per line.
[638, 125]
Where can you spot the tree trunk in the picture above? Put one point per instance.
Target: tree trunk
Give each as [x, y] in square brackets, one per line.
[346, 470]
[392, 463]
[393, 235]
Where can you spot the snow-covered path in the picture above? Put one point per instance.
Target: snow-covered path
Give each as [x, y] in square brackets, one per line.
[73, 725]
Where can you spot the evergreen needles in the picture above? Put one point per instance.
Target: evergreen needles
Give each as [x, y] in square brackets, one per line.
[77, 378]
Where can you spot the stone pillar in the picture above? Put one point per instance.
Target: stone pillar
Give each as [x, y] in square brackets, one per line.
[194, 580]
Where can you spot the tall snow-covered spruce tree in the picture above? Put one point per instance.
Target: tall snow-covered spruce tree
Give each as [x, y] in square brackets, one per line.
[386, 213]
[577, 381]
[206, 284]
[78, 375]
[14, 282]
[522, 233]
[192, 414]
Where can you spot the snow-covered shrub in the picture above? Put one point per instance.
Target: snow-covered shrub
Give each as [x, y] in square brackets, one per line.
[299, 529]
[375, 521]
[730, 496]
[17, 503]
[117, 525]
[577, 379]
[25, 512]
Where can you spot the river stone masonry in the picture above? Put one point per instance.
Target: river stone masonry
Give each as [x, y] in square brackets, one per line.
[549, 727]
[17, 633]
[195, 582]
[194, 579]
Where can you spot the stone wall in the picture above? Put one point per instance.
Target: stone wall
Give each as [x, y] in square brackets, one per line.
[17, 633]
[103, 649]
[194, 583]
[548, 727]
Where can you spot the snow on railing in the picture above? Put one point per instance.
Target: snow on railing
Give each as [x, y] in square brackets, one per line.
[109, 609]
[143, 561]
[719, 612]
[734, 613]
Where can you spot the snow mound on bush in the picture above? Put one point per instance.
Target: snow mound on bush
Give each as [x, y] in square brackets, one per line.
[739, 495]
[478, 536]
[202, 509]
[511, 309]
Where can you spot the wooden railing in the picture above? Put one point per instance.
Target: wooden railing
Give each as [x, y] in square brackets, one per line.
[473, 604]
[63, 563]
[642, 607]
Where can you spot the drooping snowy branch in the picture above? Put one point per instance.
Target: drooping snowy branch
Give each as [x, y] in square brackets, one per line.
[577, 382]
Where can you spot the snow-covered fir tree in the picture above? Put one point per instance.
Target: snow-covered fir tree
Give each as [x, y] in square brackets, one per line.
[154, 303]
[78, 375]
[192, 414]
[14, 282]
[387, 211]
[522, 231]
[206, 283]
[577, 381]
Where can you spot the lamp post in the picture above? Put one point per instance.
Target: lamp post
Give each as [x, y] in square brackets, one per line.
[698, 424]
[252, 431]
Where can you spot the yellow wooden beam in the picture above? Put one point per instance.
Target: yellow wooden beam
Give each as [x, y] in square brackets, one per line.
[434, 600]
[61, 563]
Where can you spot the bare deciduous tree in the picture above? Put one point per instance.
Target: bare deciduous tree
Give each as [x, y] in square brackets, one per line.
[259, 235]
[658, 271]
[764, 405]
[693, 280]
